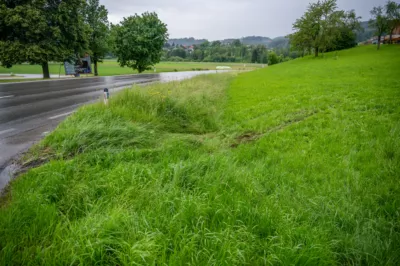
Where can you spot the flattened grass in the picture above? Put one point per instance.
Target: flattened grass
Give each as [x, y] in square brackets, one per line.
[294, 164]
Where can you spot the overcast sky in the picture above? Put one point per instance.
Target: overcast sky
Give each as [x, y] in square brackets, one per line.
[220, 19]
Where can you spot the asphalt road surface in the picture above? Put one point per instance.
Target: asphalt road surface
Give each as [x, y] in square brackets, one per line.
[30, 110]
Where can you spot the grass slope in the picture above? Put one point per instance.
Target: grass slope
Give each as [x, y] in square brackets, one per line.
[295, 164]
[112, 68]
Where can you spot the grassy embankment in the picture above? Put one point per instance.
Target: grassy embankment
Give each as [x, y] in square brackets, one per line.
[111, 68]
[295, 164]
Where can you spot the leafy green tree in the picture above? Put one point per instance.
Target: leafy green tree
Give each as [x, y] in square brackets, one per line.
[236, 43]
[346, 40]
[393, 17]
[243, 53]
[379, 22]
[216, 44]
[180, 52]
[272, 58]
[348, 27]
[112, 38]
[257, 54]
[318, 27]
[139, 41]
[39, 31]
[198, 54]
[226, 51]
[96, 17]
[254, 55]
[300, 42]
[264, 59]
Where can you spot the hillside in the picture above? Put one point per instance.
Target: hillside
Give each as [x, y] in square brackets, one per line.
[279, 42]
[364, 34]
[186, 41]
[254, 40]
[292, 164]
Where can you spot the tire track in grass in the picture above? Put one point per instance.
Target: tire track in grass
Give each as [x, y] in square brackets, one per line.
[253, 136]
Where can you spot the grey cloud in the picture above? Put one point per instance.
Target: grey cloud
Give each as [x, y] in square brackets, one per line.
[219, 19]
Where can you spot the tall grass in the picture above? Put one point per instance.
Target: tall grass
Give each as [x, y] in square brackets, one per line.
[297, 164]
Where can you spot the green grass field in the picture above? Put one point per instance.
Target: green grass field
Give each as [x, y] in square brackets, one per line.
[111, 68]
[16, 80]
[296, 164]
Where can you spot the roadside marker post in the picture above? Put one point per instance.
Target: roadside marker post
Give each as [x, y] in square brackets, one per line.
[106, 96]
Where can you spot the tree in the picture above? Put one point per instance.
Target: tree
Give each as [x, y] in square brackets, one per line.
[348, 27]
[112, 37]
[393, 17]
[139, 41]
[318, 27]
[257, 54]
[236, 43]
[96, 17]
[300, 42]
[272, 58]
[379, 22]
[180, 52]
[216, 44]
[41, 31]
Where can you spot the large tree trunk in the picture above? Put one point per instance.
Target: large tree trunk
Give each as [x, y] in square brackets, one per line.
[45, 69]
[316, 51]
[95, 68]
[141, 69]
[390, 38]
[379, 42]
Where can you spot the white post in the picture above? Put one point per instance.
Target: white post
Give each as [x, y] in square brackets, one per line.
[106, 96]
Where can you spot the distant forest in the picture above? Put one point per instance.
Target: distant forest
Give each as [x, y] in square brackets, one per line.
[250, 49]
[250, 40]
[278, 42]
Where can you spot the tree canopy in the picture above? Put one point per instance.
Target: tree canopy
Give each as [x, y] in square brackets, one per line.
[139, 41]
[39, 31]
[235, 51]
[379, 22]
[323, 27]
[393, 17]
[96, 17]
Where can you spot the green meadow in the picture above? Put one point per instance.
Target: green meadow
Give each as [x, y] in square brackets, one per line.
[294, 164]
[112, 68]
[10, 80]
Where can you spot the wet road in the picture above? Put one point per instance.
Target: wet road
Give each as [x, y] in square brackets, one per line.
[29, 110]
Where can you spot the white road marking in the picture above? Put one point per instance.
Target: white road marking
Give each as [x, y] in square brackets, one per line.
[8, 96]
[45, 133]
[7, 131]
[61, 115]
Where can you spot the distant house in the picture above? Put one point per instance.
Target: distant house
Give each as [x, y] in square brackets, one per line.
[395, 36]
[397, 31]
[188, 49]
[386, 38]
